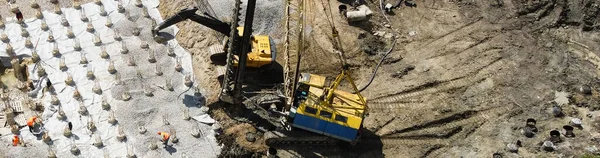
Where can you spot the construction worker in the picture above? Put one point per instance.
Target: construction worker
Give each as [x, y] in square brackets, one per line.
[31, 122]
[16, 140]
[164, 137]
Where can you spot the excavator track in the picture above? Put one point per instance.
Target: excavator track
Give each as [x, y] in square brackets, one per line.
[316, 140]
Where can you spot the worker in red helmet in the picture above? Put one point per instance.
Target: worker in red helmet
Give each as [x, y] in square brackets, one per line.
[16, 140]
[164, 137]
[31, 122]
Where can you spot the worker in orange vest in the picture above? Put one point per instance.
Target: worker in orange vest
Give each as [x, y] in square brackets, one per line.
[16, 140]
[31, 123]
[165, 137]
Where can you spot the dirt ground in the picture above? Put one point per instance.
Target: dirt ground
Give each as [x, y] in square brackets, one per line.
[463, 77]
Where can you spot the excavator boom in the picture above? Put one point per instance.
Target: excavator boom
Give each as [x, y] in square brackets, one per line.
[190, 13]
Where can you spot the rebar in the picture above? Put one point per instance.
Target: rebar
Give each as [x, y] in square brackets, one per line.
[69, 81]
[168, 85]
[105, 104]
[195, 130]
[67, 131]
[136, 31]
[124, 49]
[44, 27]
[4, 38]
[108, 22]
[74, 150]
[77, 47]
[152, 145]
[83, 17]
[90, 28]
[34, 56]
[188, 81]
[82, 109]
[90, 72]
[112, 119]
[62, 65]
[158, 71]
[41, 71]
[51, 153]
[46, 138]
[57, 9]
[98, 141]
[102, 11]
[104, 54]
[97, 40]
[148, 91]
[186, 114]
[76, 4]
[171, 52]
[144, 45]
[9, 49]
[50, 35]
[54, 100]
[125, 96]
[64, 21]
[145, 12]
[55, 51]
[61, 114]
[76, 94]
[28, 43]
[174, 139]
[91, 125]
[120, 7]
[111, 68]
[142, 129]
[151, 57]
[24, 32]
[34, 4]
[165, 120]
[138, 3]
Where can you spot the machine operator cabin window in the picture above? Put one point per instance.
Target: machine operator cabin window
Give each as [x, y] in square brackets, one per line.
[310, 110]
[341, 118]
[325, 114]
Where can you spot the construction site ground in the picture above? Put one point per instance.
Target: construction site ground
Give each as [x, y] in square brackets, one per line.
[463, 77]
[461, 81]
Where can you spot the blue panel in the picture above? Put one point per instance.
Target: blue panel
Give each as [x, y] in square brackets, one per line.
[323, 127]
[346, 133]
[310, 122]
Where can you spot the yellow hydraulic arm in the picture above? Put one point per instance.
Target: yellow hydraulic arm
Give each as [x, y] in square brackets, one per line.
[337, 46]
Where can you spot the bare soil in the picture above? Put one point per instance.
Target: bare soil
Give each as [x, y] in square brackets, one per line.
[471, 73]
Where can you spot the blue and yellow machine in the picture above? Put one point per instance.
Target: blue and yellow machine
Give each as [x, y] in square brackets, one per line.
[326, 110]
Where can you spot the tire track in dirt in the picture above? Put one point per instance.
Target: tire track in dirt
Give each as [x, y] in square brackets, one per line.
[411, 104]
[471, 46]
[435, 133]
[429, 48]
[439, 86]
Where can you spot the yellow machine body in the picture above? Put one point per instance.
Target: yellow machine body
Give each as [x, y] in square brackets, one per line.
[263, 51]
[323, 109]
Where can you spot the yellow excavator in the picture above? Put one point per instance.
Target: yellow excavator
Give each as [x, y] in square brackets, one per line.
[242, 49]
[262, 51]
